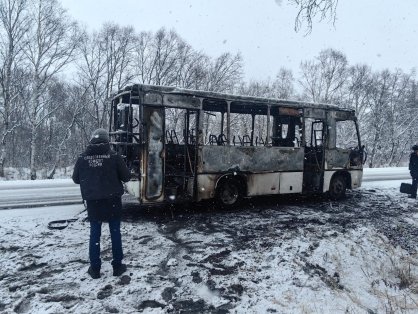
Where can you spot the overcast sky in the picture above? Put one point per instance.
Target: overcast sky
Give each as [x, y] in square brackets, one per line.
[381, 33]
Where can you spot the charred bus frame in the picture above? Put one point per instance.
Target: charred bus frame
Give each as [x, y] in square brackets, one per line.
[186, 145]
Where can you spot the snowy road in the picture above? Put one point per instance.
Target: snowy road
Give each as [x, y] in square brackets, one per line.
[23, 194]
[380, 174]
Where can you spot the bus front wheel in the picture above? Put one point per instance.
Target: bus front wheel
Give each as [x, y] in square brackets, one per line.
[337, 188]
[228, 193]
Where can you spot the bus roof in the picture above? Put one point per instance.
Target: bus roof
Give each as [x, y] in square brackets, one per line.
[136, 89]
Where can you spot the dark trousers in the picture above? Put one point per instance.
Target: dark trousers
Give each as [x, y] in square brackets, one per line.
[414, 187]
[94, 248]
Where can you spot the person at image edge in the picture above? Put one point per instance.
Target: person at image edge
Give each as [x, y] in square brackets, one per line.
[413, 168]
[100, 173]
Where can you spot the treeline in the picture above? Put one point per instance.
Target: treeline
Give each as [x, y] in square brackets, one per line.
[56, 80]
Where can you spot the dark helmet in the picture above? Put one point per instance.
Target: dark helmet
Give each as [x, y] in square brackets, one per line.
[415, 147]
[99, 136]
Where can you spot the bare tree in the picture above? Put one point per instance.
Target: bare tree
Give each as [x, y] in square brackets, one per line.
[255, 88]
[224, 73]
[166, 59]
[52, 41]
[117, 42]
[388, 120]
[191, 66]
[62, 124]
[359, 88]
[166, 55]
[159, 57]
[17, 152]
[399, 121]
[283, 85]
[143, 58]
[323, 79]
[310, 81]
[105, 66]
[91, 73]
[13, 26]
[311, 9]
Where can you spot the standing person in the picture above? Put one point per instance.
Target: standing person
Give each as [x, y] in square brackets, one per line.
[413, 168]
[100, 172]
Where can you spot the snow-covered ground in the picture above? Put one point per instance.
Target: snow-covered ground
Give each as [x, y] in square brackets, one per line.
[275, 255]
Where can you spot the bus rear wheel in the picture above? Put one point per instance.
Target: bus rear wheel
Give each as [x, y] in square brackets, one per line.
[228, 193]
[337, 188]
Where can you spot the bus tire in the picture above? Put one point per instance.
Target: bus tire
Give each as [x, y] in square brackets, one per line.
[337, 188]
[229, 193]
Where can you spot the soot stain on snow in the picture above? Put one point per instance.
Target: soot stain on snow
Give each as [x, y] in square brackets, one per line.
[23, 306]
[316, 270]
[150, 304]
[50, 273]
[32, 266]
[63, 297]
[124, 280]
[168, 293]
[105, 292]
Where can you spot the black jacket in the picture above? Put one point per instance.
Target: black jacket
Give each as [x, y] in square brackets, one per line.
[413, 165]
[99, 171]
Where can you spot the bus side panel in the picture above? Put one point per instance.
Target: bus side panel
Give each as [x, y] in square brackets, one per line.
[337, 158]
[250, 159]
[206, 186]
[263, 184]
[275, 183]
[327, 179]
[356, 178]
[291, 182]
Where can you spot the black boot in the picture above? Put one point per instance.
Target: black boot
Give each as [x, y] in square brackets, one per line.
[119, 269]
[94, 272]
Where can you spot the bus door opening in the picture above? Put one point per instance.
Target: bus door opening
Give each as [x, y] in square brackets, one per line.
[180, 152]
[126, 135]
[154, 156]
[313, 172]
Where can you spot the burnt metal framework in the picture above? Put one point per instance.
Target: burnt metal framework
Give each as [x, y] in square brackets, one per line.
[295, 151]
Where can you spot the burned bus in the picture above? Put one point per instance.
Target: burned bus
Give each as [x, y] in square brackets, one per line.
[188, 145]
